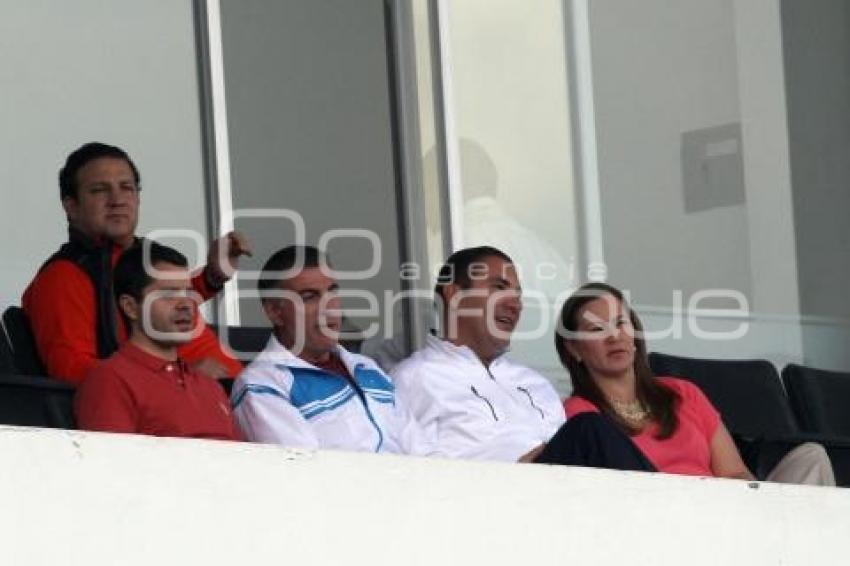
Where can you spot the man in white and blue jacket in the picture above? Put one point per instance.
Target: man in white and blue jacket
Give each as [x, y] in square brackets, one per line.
[305, 390]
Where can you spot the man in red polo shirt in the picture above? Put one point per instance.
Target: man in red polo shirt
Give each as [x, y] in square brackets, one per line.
[69, 302]
[145, 387]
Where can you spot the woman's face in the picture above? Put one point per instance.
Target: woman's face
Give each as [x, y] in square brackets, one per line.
[605, 339]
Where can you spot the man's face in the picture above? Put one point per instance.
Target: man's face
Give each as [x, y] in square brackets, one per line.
[166, 314]
[107, 201]
[486, 313]
[307, 318]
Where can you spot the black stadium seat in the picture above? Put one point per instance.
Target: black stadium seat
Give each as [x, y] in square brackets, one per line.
[27, 361]
[755, 408]
[7, 358]
[244, 339]
[749, 396]
[36, 401]
[748, 393]
[29, 400]
[251, 340]
[820, 399]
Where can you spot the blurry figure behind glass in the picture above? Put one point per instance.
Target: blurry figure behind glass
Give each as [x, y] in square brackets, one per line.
[487, 222]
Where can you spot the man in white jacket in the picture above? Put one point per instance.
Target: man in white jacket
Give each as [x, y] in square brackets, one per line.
[305, 390]
[476, 402]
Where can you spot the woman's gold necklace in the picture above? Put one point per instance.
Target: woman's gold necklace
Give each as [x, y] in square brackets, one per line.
[632, 412]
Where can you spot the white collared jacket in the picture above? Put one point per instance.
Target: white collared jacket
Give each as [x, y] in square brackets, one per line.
[500, 412]
[281, 399]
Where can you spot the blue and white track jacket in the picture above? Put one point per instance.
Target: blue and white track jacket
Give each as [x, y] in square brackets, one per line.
[281, 399]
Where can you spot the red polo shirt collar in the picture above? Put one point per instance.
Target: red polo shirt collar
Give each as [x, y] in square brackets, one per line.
[151, 362]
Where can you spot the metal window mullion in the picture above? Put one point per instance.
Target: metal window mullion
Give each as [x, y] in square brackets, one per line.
[217, 142]
[408, 159]
[590, 200]
[447, 150]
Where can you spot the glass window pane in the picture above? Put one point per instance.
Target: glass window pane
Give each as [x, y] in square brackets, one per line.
[311, 132]
[721, 156]
[122, 72]
[511, 106]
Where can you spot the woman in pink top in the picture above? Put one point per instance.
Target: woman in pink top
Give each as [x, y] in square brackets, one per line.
[600, 342]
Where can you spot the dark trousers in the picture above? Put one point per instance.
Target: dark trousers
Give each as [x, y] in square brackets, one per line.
[593, 440]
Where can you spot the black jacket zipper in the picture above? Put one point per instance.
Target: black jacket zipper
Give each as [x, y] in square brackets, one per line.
[531, 400]
[489, 404]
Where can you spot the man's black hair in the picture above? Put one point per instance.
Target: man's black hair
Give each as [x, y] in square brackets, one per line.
[130, 276]
[456, 269]
[284, 260]
[83, 155]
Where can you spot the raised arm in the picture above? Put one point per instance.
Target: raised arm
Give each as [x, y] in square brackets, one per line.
[222, 263]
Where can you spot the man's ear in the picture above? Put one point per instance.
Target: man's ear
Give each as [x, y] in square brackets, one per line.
[130, 307]
[70, 205]
[272, 309]
[449, 292]
[448, 310]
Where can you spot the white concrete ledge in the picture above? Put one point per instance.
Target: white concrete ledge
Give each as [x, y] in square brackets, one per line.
[76, 498]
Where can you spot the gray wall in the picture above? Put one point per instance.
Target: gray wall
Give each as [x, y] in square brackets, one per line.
[816, 42]
[309, 120]
[661, 69]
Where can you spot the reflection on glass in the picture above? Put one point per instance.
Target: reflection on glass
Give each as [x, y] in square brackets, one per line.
[487, 221]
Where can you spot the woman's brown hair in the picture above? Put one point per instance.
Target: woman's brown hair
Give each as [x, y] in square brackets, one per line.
[660, 401]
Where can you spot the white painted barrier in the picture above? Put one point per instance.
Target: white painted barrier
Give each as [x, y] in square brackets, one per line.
[73, 498]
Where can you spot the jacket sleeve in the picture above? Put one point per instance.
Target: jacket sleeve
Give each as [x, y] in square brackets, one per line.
[207, 344]
[264, 414]
[412, 437]
[200, 285]
[60, 306]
